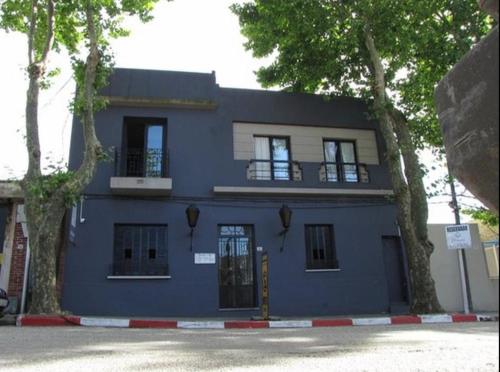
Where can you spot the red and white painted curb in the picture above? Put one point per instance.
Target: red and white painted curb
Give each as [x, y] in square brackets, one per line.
[43, 320]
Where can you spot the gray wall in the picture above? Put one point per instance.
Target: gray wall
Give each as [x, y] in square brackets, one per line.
[446, 273]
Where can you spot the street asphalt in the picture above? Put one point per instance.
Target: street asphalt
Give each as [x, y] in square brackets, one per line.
[426, 347]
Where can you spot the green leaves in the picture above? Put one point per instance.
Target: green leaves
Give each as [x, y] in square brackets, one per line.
[70, 24]
[483, 215]
[45, 186]
[318, 46]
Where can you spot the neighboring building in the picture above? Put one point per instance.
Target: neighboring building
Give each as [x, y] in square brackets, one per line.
[482, 272]
[13, 243]
[237, 155]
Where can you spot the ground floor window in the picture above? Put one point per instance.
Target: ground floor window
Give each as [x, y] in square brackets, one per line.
[140, 250]
[320, 247]
[236, 267]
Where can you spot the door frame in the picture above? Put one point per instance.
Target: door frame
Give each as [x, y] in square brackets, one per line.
[404, 266]
[256, 305]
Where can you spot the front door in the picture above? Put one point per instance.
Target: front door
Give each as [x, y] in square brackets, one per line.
[236, 267]
[394, 270]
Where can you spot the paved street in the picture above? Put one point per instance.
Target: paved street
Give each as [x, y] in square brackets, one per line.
[439, 347]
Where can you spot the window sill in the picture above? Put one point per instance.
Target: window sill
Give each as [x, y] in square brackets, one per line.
[138, 277]
[321, 270]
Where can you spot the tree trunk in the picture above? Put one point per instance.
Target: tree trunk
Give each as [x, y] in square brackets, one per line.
[414, 176]
[45, 209]
[419, 209]
[43, 245]
[424, 298]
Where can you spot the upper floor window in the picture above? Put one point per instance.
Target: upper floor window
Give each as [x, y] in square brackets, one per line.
[341, 164]
[140, 250]
[320, 248]
[144, 147]
[272, 158]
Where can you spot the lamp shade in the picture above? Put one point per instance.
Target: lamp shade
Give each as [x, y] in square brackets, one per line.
[192, 213]
[286, 216]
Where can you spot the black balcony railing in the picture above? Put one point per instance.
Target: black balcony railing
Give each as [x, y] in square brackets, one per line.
[274, 170]
[131, 162]
[344, 172]
[139, 268]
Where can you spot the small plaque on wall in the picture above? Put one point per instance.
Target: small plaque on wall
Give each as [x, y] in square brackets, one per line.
[204, 258]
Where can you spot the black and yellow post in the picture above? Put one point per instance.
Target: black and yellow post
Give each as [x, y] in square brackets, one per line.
[265, 286]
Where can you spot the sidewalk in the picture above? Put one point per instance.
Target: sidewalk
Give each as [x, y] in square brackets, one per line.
[71, 320]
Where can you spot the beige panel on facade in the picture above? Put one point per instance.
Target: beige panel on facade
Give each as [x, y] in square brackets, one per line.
[306, 142]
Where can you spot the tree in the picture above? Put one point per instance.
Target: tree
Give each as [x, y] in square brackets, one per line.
[360, 48]
[50, 26]
[451, 33]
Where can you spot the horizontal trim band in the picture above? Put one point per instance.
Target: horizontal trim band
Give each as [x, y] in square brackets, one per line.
[161, 102]
[299, 191]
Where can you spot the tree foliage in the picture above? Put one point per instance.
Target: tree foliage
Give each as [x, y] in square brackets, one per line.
[445, 33]
[318, 45]
[483, 215]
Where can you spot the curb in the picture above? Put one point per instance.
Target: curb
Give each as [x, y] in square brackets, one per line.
[59, 321]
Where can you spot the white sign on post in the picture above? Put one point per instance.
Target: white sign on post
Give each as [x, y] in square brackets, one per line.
[458, 237]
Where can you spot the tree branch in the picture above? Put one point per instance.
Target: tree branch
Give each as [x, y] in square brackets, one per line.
[50, 31]
[32, 30]
[93, 148]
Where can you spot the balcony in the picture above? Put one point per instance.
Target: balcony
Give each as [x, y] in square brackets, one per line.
[141, 172]
[307, 179]
[344, 172]
[274, 170]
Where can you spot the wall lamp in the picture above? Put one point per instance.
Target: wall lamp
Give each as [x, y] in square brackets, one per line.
[286, 218]
[192, 213]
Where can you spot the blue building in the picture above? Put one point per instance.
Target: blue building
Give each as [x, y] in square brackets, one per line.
[234, 158]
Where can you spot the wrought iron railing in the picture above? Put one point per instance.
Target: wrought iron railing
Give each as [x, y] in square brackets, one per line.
[130, 162]
[274, 170]
[344, 172]
[139, 268]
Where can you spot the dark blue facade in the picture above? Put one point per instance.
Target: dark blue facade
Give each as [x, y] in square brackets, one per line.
[200, 147]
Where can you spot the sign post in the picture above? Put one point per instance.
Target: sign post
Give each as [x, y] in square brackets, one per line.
[458, 238]
[265, 286]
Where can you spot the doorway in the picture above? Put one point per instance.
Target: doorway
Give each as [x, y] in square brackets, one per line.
[236, 267]
[144, 147]
[395, 272]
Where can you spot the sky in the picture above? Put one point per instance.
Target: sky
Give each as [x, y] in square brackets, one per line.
[185, 35]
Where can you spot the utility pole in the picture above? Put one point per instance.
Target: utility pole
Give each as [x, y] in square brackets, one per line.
[461, 252]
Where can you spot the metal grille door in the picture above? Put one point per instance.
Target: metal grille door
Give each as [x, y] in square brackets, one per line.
[236, 267]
